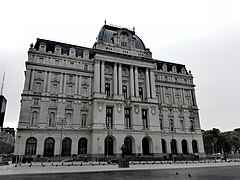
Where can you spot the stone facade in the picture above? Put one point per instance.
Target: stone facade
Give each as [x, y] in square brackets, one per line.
[90, 101]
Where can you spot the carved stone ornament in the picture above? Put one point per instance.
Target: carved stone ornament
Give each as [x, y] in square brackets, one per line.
[136, 109]
[100, 106]
[119, 107]
[153, 110]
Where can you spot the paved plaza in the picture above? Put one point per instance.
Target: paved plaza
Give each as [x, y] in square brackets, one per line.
[168, 170]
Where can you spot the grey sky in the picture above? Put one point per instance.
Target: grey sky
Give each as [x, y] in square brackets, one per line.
[204, 35]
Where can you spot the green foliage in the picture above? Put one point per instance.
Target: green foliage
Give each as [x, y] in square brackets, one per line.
[216, 141]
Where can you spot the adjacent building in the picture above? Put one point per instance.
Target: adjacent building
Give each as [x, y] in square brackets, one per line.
[3, 104]
[91, 101]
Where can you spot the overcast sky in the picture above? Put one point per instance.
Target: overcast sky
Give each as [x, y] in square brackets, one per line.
[202, 34]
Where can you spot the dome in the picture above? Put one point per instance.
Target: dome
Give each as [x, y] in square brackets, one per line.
[107, 32]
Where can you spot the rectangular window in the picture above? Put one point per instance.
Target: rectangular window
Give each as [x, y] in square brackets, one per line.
[109, 119]
[85, 67]
[124, 91]
[145, 119]
[69, 103]
[124, 44]
[140, 90]
[54, 102]
[38, 87]
[161, 124]
[128, 123]
[107, 89]
[36, 102]
[57, 62]
[54, 89]
[182, 125]
[70, 79]
[72, 64]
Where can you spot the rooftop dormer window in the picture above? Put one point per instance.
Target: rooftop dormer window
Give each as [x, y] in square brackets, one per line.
[42, 47]
[58, 49]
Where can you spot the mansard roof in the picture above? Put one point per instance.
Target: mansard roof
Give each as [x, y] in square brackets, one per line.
[170, 65]
[65, 48]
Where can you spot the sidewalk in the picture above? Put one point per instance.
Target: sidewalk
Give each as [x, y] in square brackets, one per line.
[68, 167]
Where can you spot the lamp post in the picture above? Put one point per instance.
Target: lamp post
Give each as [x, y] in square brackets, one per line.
[98, 148]
[62, 122]
[19, 136]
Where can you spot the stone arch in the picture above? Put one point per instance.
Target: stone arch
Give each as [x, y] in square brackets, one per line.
[164, 146]
[82, 145]
[109, 146]
[129, 143]
[195, 146]
[66, 146]
[49, 144]
[146, 145]
[174, 146]
[31, 146]
[184, 144]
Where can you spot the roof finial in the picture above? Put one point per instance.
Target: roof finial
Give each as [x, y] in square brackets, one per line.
[105, 22]
[134, 28]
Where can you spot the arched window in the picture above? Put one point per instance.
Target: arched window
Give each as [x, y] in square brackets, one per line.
[182, 125]
[84, 119]
[184, 147]
[109, 146]
[128, 145]
[195, 146]
[34, 118]
[66, 147]
[31, 146]
[171, 125]
[82, 146]
[164, 146]
[146, 146]
[69, 118]
[174, 146]
[51, 119]
[49, 147]
[191, 126]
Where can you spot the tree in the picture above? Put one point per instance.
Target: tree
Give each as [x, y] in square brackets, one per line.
[235, 140]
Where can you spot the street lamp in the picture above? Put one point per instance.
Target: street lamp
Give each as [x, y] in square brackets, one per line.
[98, 148]
[19, 136]
[62, 122]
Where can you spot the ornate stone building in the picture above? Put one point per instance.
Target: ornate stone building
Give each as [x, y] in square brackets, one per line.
[90, 101]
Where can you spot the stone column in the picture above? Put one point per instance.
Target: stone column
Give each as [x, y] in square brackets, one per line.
[102, 78]
[162, 94]
[131, 82]
[96, 76]
[49, 81]
[147, 83]
[153, 86]
[45, 81]
[115, 79]
[183, 97]
[120, 80]
[90, 87]
[61, 83]
[79, 85]
[172, 94]
[64, 83]
[76, 84]
[27, 80]
[194, 97]
[32, 80]
[136, 81]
